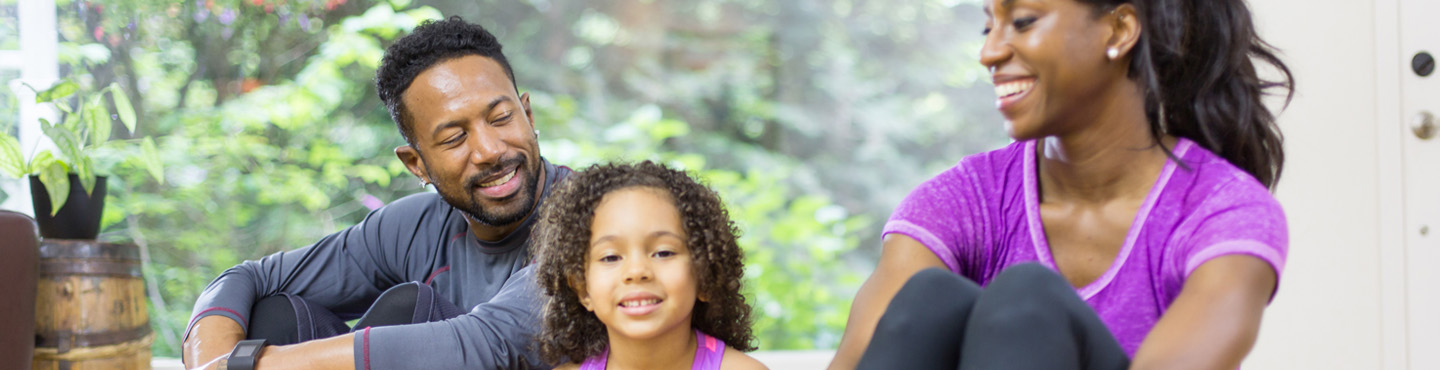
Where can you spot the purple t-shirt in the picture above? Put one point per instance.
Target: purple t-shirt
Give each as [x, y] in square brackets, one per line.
[983, 215]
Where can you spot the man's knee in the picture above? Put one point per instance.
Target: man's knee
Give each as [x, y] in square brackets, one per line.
[274, 318]
[403, 295]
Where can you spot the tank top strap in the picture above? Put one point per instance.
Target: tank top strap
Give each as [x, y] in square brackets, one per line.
[596, 362]
[709, 351]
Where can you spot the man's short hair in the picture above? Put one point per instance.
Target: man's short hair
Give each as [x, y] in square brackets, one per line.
[433, 42]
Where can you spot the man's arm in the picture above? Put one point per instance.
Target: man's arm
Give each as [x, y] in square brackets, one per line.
[1215, 319]
[495, 335]
[324, 354]
[499, 334]
[343, 272]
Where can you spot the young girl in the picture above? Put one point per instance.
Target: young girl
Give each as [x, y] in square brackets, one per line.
[641, 271]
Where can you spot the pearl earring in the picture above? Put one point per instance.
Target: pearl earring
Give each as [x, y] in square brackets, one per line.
[1112, 53]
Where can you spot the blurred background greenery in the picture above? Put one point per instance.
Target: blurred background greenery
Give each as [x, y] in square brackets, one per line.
[812, 118]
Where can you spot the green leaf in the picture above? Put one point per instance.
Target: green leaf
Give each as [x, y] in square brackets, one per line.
[67, 142]
[97, 120]
[11, 160]
[123, 108]
[57, 184]
[39, 162]
[56, 92]
[85, 170]
[150, 158]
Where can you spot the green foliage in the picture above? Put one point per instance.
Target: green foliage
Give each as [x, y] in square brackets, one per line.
[84, 129]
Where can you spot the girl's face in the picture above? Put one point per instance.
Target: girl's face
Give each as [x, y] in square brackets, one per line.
[1048, 62]
[638, 272]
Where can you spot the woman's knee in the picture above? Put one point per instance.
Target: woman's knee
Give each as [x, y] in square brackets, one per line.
[929, 298]
[1029, 278]
[1023, 295]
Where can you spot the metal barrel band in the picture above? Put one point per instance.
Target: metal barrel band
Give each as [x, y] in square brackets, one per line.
[84, 354]
[63, 341]
[55, 267]
[88, 249]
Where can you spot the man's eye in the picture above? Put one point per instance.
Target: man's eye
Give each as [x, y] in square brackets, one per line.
[455, 139]
[503, 118]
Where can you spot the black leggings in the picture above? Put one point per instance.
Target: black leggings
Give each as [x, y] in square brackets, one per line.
[1028, 318]
[289, 319]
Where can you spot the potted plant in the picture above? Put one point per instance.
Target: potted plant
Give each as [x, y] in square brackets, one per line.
[67, 187]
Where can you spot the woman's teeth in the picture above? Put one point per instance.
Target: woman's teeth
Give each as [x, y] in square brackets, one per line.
[639, 302]
[502, 180]
[1012, 88]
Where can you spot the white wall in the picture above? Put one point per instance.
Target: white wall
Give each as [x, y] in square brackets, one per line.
[1340, 189]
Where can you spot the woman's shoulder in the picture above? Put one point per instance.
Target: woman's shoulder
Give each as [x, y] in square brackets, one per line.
[736, 360]
[569, 366]
[1212, 180]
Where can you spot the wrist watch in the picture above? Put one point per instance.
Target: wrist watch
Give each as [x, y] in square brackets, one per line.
[243, 357]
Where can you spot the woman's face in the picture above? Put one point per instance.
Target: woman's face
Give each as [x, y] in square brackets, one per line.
[639, 277]
[1048, 62]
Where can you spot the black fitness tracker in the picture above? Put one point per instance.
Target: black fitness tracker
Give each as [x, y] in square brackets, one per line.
[243, 357]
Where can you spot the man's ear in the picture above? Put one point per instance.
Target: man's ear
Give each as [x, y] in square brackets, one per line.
[413, 162]
[525, 103]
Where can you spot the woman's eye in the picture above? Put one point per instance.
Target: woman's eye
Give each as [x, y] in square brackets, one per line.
[986, 31]
[1021, 23]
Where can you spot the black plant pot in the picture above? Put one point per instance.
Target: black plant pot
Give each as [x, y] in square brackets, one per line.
[79, 218]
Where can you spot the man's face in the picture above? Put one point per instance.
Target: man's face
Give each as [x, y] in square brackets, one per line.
[474, 139]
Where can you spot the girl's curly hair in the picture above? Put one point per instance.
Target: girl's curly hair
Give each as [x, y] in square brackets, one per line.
[562, 240]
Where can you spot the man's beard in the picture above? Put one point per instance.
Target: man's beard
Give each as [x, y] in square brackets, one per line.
[466, 201]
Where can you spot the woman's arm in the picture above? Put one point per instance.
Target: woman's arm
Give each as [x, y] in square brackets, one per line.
[1214, 321]
[900, 258]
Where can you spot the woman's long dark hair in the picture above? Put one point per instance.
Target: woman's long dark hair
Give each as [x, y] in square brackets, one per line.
[1195, 61]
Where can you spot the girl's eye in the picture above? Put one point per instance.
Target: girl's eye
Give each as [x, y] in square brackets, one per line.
[1022, 23]
[663, 254]
[610, 258]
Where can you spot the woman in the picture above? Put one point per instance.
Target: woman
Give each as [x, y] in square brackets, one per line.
[1140, 173]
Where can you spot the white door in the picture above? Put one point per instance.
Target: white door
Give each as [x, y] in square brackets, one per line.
[1420, 97]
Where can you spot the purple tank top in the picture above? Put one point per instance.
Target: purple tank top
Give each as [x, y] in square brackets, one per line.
[708, 354]
[983, 215]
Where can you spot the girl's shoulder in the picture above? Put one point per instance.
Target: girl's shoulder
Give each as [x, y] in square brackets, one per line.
[736, 360]
[569, 366]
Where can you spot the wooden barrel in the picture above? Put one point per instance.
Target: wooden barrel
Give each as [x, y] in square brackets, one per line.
[90, 307]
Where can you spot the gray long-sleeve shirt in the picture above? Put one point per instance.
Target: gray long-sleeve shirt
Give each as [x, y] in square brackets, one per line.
[417, 238]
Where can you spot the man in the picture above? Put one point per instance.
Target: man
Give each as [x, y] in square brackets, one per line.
[411, 265]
